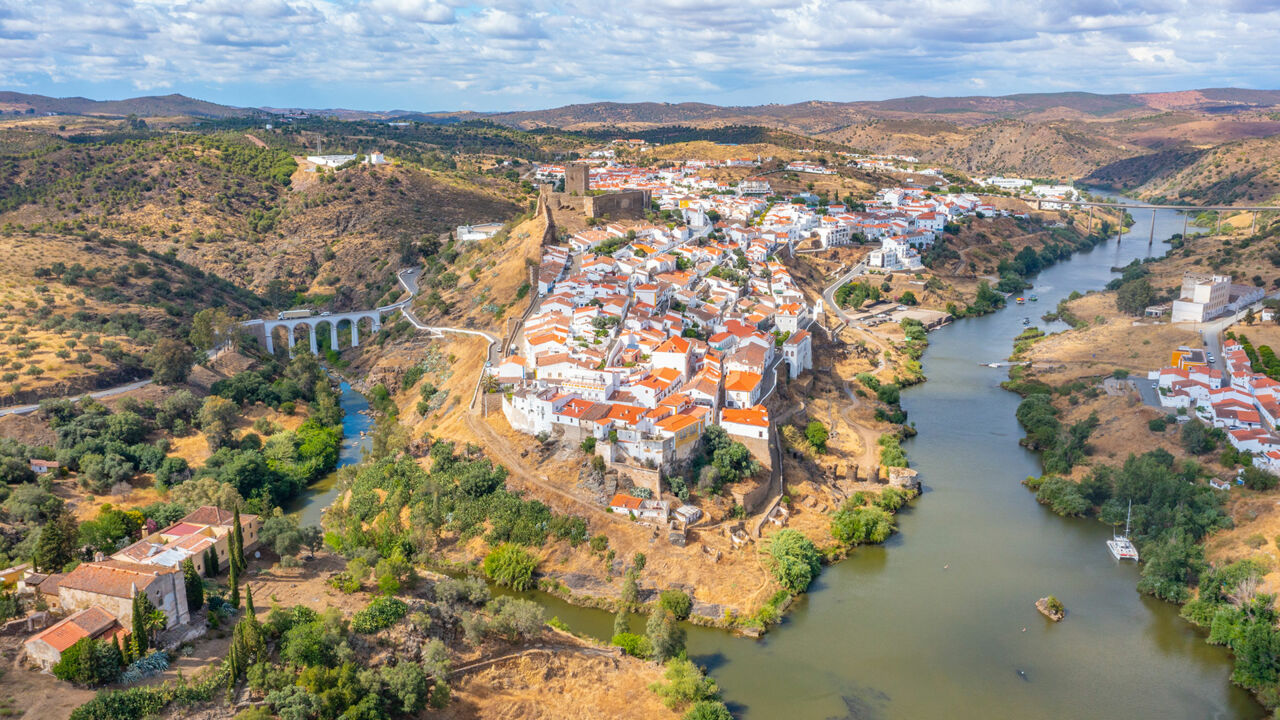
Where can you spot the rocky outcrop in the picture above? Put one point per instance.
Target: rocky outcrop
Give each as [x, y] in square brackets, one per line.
[1051, 608]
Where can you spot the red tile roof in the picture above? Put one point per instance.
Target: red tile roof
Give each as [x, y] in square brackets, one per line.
[90, 622]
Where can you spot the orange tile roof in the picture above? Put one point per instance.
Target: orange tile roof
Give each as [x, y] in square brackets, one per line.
[675, 344]
[756, 415]
[742, 381]
[116, 578]
[625, 501]
[90, 622]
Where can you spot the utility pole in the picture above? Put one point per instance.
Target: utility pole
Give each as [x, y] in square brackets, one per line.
[1152, 238]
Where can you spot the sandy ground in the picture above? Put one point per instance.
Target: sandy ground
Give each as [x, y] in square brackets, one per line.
[1111, 341]
[571, 684]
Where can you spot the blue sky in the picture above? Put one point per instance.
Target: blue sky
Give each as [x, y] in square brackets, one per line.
[444, 55]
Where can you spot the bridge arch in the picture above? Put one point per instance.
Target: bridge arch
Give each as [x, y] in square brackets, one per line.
[326, 330]
[278, 339]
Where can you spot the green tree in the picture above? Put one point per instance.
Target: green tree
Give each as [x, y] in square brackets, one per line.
[210, 328]
[510, 565]
[677, 602]
[1135, 296]
[233, 585]
[237, 540]
[666, 637]
[169, 361]
[89, 662]
[684, 684]
[194, 585]
[816, 433]
[793, 558]
[140, 624]
[218, 417]
[858, 525]
[708, 710]
[1171, 565]
[1196, 439]
[57, 543]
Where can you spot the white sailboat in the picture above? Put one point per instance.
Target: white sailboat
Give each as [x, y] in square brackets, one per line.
[1121, 547]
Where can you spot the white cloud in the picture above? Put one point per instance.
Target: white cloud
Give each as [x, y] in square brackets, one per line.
[441, 54]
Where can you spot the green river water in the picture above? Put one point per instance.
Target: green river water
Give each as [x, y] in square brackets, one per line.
[931, 624]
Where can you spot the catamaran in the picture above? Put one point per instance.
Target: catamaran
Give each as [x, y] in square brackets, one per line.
[1121, 547]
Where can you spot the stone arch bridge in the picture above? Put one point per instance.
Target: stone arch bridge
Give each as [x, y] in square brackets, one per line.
[312, 326]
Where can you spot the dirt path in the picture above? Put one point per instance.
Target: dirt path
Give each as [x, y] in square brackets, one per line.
[254, 139]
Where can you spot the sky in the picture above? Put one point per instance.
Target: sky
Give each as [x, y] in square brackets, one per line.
[511, 55]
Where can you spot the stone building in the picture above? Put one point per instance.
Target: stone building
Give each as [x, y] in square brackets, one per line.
[45, 648]
[111, 585]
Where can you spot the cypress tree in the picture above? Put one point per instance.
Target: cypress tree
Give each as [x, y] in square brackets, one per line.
[249, 612]
[233, 580]
[195, 586]
[123, 647]
[211, 562]
[237, 540]
[139, 637]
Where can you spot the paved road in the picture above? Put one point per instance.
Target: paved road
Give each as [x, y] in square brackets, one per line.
[23, 409]
[829, 295]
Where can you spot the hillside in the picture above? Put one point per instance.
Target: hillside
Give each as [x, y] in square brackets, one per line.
[1241, 172]
[156, 105]
[122, 235]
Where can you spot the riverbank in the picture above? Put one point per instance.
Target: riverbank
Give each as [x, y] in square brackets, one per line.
[1092, 378]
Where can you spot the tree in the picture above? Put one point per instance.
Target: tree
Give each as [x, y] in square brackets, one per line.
[793, 558]
[909, 298]
[194, 585]
[1171, 564]
[685, 684]
[211, 328]
[677, 602]
[141, 624]
[210, 563]
[218, 418]
[666, 637]
[169, 361]
[1256, 478]
[858, 525]
[510, 565]
[90, 662]
[237, 540]
[708, 710]
[57, 543]
[233, 585]
[1135, 296]
[816, 433]
[15, 471]
[1196, 439]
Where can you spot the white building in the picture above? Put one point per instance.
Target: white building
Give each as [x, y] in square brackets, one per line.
[1204, 297]
[895, 253]
[473, 233]
[797, 351]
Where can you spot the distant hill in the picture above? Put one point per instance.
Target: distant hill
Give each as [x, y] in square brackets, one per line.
[150, 106]
[817, 116]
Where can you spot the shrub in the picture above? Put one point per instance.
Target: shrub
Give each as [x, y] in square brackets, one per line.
[677, 602]
[858, 525]
[510, 565]
[684, 684]
[793, 558]
[382, 612]
[632, 644]
[1157, 424]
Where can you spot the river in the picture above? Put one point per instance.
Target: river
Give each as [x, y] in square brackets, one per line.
[357, 438]
[939, 621]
